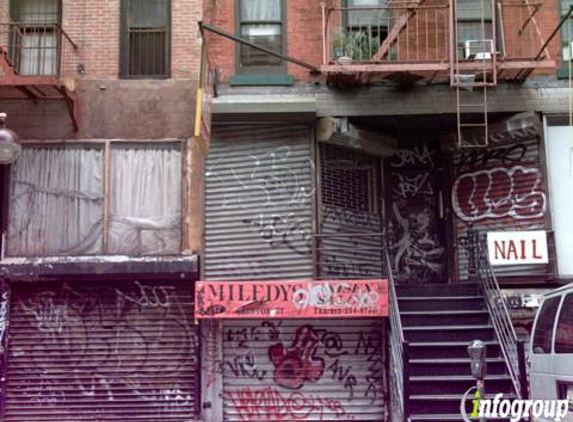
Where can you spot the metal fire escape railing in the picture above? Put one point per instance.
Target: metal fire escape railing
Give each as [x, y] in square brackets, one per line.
[398, 349]
[512, 349]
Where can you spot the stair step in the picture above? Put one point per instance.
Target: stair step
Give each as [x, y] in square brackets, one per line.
[448, 349]
[446, 417]
[448, 327]
[432, 298]
[444, 403]
[437, 290]
[457, 384]
[445, 397]
[453, 361]
[431, 303]
[449, 332]
[446, 378]
[444, 317]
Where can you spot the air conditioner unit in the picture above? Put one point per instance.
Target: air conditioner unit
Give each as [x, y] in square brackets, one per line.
[478, 49]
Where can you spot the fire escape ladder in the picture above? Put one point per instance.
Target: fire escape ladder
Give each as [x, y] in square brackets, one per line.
[397, 28]
[473, 71]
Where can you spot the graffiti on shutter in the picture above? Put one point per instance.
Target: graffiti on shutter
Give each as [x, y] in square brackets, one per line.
[102, 351]
[416, 232]
[500, 188]
[258, 203]
[298, 370]
[350, 242]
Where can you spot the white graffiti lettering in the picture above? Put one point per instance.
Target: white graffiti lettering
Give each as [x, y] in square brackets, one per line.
[413, 156]
[499, 193]
[342, 295]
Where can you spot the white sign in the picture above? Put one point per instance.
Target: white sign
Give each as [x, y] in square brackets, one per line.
[514, 248]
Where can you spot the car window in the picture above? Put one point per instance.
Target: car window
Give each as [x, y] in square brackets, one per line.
[564, 333]
[544, 328]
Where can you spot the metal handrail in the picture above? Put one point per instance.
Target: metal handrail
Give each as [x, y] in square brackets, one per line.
[398, 346]
[511, 348]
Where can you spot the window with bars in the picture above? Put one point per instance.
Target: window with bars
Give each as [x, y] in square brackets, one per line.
[35, 44]
[261, 22]
[146, 39]
[349, 179]
[91, 199]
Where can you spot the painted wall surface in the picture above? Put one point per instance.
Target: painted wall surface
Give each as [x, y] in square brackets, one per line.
[559, 148]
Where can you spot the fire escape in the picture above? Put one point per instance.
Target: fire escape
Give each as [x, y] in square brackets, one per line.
[425, 41]
[37, 63]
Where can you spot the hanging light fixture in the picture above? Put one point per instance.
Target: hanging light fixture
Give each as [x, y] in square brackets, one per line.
[10, 147]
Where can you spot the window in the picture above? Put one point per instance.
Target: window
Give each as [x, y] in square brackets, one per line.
[566, 38]
[261, 22]
[564, 333]
[365, 29]
[474, 24]
[543, 335]
[58, 205]
[35, 48]
[146, 38]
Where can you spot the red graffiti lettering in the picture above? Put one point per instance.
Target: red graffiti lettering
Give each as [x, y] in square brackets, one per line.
[268, 403]
[297, 364]
[499, 193]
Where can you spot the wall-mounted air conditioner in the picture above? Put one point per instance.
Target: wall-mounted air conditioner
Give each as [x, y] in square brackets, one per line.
[478, 49]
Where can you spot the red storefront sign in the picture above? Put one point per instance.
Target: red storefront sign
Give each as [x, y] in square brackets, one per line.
[291, 299]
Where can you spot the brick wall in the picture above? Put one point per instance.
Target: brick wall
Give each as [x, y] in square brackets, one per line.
[95, 27]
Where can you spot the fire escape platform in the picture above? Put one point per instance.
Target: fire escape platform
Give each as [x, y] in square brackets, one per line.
[388, 68]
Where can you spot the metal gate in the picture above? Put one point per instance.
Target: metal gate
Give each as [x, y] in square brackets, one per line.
[304, 370]
[350, 243]
[500, 188]
[258, 203]
[106, 351]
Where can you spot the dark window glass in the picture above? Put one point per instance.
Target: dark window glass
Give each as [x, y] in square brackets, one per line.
[544, 329]
[564, 333]
[261, 23]
[146, 43]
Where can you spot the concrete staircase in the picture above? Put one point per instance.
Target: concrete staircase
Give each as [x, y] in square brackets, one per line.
[439, 321]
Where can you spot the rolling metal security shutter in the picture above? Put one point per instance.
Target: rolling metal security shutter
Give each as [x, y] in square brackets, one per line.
[501, 188]
[107, 351]
[258, 203]
[291, 370]
[350, 246]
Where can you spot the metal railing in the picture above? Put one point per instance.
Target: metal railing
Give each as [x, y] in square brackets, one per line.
[398, 350]
[31, 51]
[400, 32]
[406, 31]
[511, 348]
[521, 37]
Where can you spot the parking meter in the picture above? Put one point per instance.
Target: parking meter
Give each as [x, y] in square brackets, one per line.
[477, 352]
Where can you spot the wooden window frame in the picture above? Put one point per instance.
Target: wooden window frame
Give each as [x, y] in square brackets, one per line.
[106, 146]
[124, 72]
[280, 69]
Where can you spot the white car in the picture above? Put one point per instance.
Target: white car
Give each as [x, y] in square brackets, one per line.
[551, 354]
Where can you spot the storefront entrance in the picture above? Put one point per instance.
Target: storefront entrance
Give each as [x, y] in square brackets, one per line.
[414, 202]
